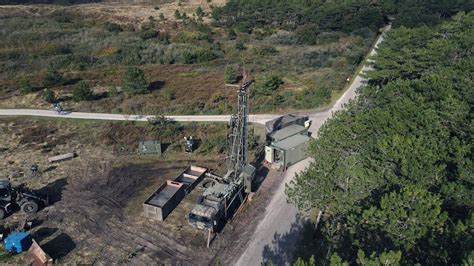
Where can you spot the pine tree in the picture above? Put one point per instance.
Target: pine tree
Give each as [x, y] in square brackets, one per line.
[134, 81]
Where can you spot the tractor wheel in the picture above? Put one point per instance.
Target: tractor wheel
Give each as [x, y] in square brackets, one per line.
[29, 207]
[2, 214]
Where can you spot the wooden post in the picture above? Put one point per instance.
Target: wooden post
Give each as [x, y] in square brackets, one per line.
[209, 238]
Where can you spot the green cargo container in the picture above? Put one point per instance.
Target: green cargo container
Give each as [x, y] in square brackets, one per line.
[149, 147]
[288, 151]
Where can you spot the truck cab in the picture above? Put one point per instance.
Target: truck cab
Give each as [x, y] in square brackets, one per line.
[203, 217]
[210, 209]
[221, 200]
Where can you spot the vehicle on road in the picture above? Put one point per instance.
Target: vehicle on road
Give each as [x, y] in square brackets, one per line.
[58, 109]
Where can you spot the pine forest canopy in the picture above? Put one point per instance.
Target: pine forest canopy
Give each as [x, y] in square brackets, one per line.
[394, 171]
[345, 16]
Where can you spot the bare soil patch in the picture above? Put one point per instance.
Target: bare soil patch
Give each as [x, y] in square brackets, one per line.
[96, 211]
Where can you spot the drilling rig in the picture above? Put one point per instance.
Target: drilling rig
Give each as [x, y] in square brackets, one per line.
[223, 195]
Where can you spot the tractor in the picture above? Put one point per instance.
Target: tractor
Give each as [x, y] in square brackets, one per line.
[12, 198]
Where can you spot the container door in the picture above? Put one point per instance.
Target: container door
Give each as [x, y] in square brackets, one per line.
[269, 154]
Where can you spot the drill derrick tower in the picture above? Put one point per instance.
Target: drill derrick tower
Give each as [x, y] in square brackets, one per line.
[238, 158]
[224, 195]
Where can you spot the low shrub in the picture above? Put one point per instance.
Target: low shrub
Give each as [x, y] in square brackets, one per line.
[266, 84]
[53, 77]
[265, 50]
[82, 92]
[113, 27]
[215, 143]
[25, 86]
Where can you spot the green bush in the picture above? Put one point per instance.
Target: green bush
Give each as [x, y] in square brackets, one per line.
[266, 84]
[200, 12]
[308, 33]
[192, 37]
[148, 34]
[82, 92]
[265, 50]
[49, 96]
[324, 93]
[240, 45]
[197, 55]
[4, 255]
[148, 29]
[231, 74]
[53, 77]
[113, 27]
[134, 81]
[25, 86]
[205, 55]
[177, 14]
[231, 34]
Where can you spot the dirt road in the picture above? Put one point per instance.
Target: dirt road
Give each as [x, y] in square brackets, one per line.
[318, 118]
[275, 235]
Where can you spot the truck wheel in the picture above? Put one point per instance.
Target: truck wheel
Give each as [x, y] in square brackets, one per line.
[2, 214]
[29, 207]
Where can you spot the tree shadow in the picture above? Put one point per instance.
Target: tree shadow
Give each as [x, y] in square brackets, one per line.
[43, 233]
[156, 85]
[64, 98]
[50, 168]
[100, 96]
[261, 175]
[71, 81]
[54, 190]
[262, 171]
[283, 246]
[59, 247]
[164, 147]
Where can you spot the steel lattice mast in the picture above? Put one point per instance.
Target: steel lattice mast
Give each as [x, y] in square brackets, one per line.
[239, 133]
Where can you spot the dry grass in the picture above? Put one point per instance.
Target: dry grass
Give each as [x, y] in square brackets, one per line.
[122, 13]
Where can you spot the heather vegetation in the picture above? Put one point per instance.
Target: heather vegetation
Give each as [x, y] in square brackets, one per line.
[310, 47]
[393, 173]
[57, 50]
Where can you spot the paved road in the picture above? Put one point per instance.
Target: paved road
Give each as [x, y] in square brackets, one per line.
[277, 232]
[261, 119]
